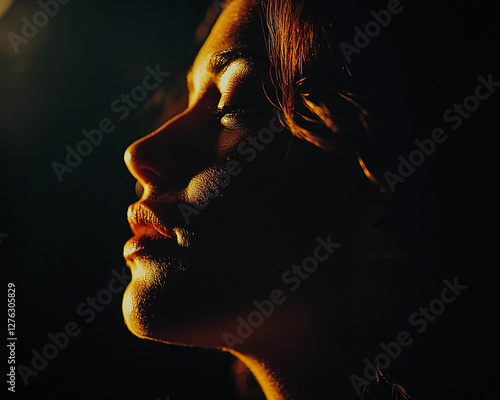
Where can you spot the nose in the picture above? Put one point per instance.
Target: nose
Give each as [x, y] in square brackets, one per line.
[170, 156]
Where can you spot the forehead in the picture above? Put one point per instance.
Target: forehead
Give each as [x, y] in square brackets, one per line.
[238, 26]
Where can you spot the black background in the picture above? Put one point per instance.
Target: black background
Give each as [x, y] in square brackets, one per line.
[66, 238]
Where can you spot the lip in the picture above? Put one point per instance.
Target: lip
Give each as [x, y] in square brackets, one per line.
[138, 246]
[149, 231]
[143, 221]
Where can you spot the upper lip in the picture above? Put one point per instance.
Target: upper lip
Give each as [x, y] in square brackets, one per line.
[143, 221]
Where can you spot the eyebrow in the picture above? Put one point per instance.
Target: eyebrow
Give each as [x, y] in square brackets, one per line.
[219, 62]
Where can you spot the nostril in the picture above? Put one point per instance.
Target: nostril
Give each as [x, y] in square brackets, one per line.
[140, 163]
[139, 189]
[147, 177]
[162, 159]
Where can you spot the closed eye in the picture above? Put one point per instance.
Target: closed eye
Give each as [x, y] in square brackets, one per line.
[228, 115]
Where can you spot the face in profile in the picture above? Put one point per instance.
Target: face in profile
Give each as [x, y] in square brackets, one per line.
[232, 201]
[253, 239]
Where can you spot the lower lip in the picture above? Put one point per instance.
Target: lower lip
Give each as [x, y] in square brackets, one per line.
[149, 245]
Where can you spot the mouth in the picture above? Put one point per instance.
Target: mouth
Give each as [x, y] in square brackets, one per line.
[150, 233]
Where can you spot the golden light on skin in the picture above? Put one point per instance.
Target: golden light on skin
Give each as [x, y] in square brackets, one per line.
[129, 309]
[269, 384]
[194, 82]
[234, 15]
[203, 186]
[142, 191]
[146, 274]
[127, 157]
[237, 68]
[198, 79]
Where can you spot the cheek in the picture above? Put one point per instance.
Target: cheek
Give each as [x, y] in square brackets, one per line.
[207, 186]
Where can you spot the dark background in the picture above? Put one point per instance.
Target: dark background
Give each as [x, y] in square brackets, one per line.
[64, 239]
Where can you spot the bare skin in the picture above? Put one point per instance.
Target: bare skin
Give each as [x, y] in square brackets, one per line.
[193, 281]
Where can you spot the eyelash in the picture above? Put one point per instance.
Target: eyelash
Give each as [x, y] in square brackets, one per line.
[221, 112]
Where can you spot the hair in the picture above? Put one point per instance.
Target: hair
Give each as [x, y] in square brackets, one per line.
[311, 77]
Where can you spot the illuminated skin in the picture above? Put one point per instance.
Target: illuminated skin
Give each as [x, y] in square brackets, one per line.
[192, 281]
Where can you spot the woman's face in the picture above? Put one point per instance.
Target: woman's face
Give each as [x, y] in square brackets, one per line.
[230, 203]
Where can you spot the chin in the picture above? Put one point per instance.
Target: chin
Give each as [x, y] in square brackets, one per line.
[134, 308]
[146, 301]
[153, 309]
[150, 313]
[139, 305]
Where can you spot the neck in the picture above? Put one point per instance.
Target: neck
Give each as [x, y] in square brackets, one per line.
[268, 380]
[302, 365]
[321, 345]
[283, 381]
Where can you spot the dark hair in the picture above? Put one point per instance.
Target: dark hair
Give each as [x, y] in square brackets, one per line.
[311, 77]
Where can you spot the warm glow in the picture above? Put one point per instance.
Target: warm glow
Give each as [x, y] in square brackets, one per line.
[127, 304]
[369, 175]
[127, 157]
[132, 308]
[129, 309]
[269, 383]
[237, 68]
